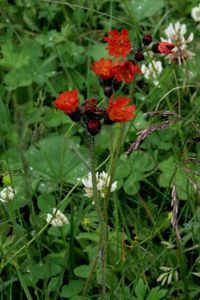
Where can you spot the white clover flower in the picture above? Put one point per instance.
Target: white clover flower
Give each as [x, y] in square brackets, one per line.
[103, 181]
[87, 182]
[7, 194]
[195, 13]
[152, 70]
[57, 218]
[175, 34]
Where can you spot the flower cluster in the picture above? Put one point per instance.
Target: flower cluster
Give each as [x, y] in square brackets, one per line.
[152, 71]
[117, 111]
[103, 181]
[57, 218]
[175, 43]
[111, 73]
[7, 194]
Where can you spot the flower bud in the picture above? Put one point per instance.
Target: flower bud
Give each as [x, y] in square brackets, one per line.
[90, 107]
[93, 126]
[139, 55]
[155, 48]
[147, 39]
[76, 116]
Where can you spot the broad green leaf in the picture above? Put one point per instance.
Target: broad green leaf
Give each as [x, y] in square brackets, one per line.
[55, 118]
[53, 284]
[142, 9]
[132, 185]
[73, 288]
[46, 202]
[122, 169]
[156, 294]
[82, 271]
[97, 51]
[13, 57]
[54, 159]
[18, 78]
[140, 289]
[141, 162]
[172, 174]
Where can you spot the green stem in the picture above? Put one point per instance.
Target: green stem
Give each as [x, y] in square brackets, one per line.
[101, 218]
[182, 263]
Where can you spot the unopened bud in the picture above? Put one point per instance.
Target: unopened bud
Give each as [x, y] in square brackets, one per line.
[147, 39]
[93, 126]
[139, 56]
[155, 48]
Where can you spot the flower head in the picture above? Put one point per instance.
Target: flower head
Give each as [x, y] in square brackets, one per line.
[86, 222]
[152, 71]
[119, 111]
[119, 44]
[87, 182]
[175, 34]
[7, 194]
[195, 13]
[103, 68]
[57, 218]
[103, 182]
[125, 71]
[67, 102]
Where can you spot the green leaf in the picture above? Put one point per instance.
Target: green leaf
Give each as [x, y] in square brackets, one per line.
[122, 169]
[92, 236]
[141, 162]
[97, 51]
[18, 78]
[73, 288]
[142, 9]
[46, 202]
[53, 284]
[54, 159]
[13, 57]
[140, 289]
[156, 294]
[55, 118]
[82, 271]
[132, 185]
[170, 175]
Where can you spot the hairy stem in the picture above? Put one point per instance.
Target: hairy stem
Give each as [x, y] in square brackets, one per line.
[101, 218]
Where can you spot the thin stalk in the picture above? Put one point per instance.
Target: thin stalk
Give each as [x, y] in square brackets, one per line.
[182, 263]
[101, 217]
[114, 157]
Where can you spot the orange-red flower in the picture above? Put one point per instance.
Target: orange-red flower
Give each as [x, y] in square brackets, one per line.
[67, 102]
[118, 43]
[119, 111]
[165, 47]
[103, 68]
[125, 71]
